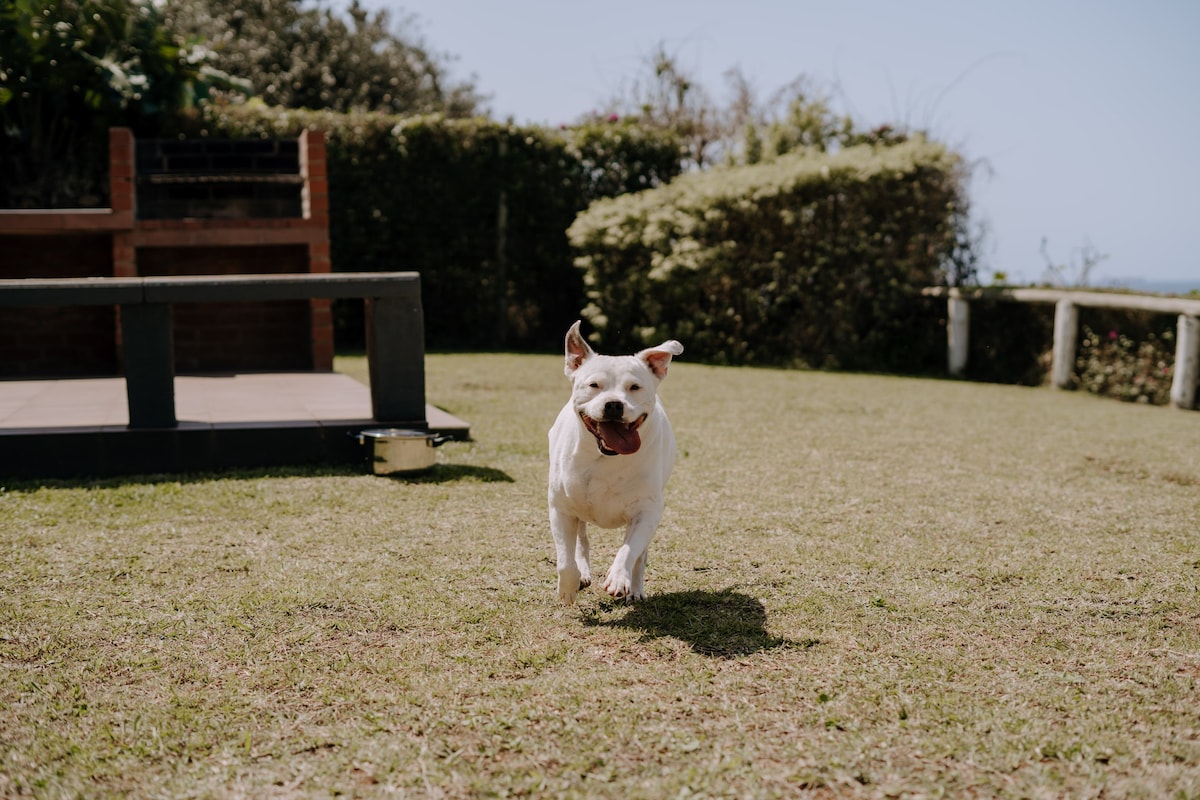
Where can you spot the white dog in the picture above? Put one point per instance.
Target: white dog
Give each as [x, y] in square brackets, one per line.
[611, 452]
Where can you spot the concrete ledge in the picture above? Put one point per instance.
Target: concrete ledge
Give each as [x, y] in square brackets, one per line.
[1079, 297]
[94, 452]
[236, 233]
[191, 447]
[39, 221]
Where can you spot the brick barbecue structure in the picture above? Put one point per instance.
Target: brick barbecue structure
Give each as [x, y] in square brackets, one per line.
[213, 260]
[180, 207]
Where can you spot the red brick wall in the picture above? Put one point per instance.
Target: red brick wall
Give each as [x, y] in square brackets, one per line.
[211, 337]
[44, 342]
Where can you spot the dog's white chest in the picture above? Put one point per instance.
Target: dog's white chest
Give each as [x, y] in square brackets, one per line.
[609, 494]
[609, 491]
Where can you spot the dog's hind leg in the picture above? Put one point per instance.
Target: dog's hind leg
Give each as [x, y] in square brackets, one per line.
[582, 557]
[638, 587]
[566, 530]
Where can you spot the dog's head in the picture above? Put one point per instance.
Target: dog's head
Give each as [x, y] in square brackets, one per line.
[614, 395]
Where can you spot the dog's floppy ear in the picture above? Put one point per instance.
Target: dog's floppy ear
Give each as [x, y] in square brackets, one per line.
[578, 350]
[659, 358]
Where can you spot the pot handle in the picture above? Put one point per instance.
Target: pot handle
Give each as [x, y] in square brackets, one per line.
[432, 439]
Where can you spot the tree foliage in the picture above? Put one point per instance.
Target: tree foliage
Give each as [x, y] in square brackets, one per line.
[745, 127]
[70, 69]
[297, 55]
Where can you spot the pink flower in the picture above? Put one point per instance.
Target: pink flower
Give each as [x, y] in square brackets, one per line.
[1112, 336]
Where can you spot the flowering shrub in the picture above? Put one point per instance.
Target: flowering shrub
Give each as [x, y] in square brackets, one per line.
[1114, 364]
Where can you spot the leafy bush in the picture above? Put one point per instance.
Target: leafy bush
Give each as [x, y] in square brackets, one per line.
[1010, 342]
[812, 259]
[71, 70]
[480, 208]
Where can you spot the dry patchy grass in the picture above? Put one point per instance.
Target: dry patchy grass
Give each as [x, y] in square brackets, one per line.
[864, 587]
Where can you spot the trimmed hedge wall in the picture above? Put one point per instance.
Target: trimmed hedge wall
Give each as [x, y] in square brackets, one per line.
[813, 259]
[480, 208]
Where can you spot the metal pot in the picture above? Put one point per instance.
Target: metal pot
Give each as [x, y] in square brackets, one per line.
[401, 451]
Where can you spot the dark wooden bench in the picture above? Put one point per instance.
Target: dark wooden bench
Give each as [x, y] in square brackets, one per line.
[395, 328]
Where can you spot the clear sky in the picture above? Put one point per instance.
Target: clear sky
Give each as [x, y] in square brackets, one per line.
[1083, 115]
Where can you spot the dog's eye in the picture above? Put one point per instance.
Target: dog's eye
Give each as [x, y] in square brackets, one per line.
[593, 385]
[635, 387]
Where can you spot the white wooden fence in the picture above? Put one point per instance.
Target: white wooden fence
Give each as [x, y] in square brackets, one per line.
[1066, 328]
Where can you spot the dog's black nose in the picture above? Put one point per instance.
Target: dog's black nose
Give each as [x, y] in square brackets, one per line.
[614, 410]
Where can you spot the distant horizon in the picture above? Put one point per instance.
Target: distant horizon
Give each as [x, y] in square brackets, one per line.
[1166, 286]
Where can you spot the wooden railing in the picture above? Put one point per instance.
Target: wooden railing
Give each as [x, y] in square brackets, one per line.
[1066, 328]
[395, 328]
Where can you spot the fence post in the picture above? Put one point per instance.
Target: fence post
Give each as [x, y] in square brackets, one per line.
[1066, 327]
[958, 325]
[1187, 362]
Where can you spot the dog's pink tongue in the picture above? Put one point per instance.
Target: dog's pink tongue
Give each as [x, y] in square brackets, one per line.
[620, 437]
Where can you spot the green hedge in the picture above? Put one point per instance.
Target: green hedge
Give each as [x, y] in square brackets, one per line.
[812, 259]
[1010, 342]
[480, 208]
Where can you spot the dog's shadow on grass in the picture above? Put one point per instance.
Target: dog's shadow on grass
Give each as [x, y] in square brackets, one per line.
[721, 624]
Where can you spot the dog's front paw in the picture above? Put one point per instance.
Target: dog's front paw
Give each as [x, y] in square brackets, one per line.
[620, 585]
[569, 584]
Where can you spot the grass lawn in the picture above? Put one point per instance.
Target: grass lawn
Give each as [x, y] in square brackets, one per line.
[864, 586]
